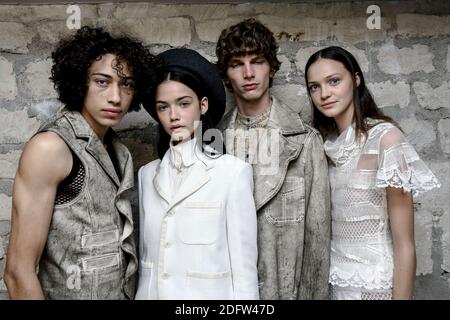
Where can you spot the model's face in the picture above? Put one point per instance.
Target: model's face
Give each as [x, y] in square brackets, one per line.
[331, 89]
[108, 95]
[179, 109]
[249, 76]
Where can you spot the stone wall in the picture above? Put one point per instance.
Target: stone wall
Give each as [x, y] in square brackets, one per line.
[406, 62]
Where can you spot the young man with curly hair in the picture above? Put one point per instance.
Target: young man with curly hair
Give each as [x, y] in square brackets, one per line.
[72, 227]
[292, 199]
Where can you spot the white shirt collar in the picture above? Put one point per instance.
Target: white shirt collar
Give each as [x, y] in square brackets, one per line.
[183, 154]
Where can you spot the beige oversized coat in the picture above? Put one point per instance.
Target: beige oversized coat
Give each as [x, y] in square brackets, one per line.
[293, 209]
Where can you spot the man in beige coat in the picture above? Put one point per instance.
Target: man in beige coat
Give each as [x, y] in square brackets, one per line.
[290, 171]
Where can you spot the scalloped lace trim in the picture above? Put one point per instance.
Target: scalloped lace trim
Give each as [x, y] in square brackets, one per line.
[410, 181]
[370, 280]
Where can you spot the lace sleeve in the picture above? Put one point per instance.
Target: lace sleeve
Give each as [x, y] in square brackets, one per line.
[400, 166]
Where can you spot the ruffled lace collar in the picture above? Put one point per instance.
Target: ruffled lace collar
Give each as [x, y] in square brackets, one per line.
[339, 149]
[182, 155]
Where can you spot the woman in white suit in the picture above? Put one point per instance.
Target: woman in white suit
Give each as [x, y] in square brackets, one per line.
[197, 212]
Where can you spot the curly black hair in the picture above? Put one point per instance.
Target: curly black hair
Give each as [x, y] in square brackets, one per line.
[74, 55]
[247, 37]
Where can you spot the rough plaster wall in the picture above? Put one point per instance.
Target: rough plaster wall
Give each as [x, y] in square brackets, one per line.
[406, 63]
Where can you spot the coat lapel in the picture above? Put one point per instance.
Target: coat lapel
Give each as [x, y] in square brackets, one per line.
[94, 146]
[286, 126]
[125, 163]
[98, 151]
[161, 180]
[268, 185]
[198, 176]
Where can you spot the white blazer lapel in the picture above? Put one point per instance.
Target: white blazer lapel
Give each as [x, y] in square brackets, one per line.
[197, 177]
[161, 180]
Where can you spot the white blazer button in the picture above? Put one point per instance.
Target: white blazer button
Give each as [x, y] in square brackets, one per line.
[165, 276]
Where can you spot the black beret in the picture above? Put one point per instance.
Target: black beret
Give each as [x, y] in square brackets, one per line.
[191, 62]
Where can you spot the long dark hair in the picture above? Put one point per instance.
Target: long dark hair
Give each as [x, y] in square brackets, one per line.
[206, 122]
[365, 106]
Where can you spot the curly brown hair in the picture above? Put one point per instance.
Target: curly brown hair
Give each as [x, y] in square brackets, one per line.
[247, 37]
[75, 54]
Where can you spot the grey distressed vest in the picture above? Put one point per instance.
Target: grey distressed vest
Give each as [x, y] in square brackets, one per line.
[90, 251]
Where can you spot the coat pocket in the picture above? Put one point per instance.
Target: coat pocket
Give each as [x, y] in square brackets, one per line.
[105, 274]
[288, 207]
[209, 285]
[100, 239]
[100, 262]
[200, 222]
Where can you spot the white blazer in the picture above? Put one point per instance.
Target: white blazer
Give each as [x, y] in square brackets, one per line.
[201, 242]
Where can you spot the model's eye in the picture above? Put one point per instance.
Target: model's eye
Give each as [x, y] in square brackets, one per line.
[101, 82]
[234, 64]
[335, 81]
[161, 107]
[313, 87]
[185, 103]
[128, 84]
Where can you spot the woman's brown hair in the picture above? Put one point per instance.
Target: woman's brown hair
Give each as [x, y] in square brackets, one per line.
[365, 106]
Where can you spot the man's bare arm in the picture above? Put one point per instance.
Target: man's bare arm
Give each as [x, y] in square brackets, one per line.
[45, 162]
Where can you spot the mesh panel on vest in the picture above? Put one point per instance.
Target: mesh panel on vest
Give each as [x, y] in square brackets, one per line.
[71, 187]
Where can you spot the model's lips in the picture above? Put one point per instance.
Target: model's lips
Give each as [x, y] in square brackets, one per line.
[176, 127]
[115, 110]
[250, 86]
[112, 112]
[328, 104]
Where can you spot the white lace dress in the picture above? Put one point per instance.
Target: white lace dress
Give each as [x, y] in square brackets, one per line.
[361, 246]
